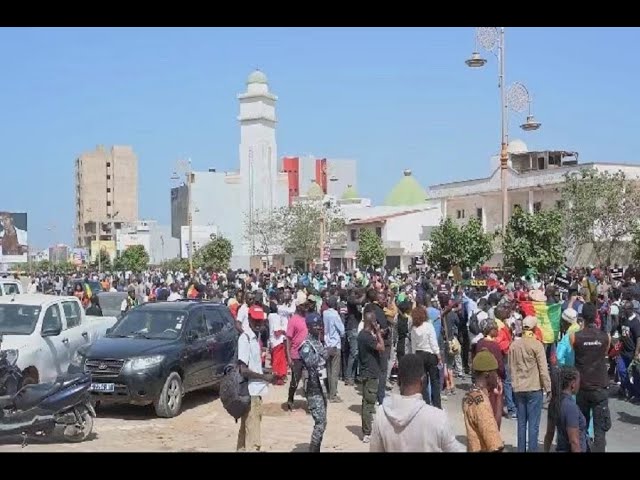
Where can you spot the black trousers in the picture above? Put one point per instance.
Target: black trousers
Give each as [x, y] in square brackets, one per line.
[465, 343]
[430, 362]
[382, 380]
[598, 401]
[296, 375]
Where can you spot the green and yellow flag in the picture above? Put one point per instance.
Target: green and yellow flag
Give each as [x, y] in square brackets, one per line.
[548, 318]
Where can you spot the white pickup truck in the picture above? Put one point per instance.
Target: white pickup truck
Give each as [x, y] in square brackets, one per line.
[9, 287]
[47, 330]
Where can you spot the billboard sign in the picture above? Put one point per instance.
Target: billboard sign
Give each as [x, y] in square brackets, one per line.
[13, 238]
[80, 256]
[108, 246]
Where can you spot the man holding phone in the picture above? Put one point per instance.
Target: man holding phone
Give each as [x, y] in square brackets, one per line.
[370, 348]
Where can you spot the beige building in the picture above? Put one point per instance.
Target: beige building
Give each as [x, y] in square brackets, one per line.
[106, 192]
[534, 181]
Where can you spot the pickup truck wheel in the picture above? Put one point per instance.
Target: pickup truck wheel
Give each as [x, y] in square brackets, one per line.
[169, 401]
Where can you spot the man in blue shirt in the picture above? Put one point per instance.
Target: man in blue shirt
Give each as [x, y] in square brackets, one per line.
[333, 334]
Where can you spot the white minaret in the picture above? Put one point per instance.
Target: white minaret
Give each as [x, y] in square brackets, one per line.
[258, 149]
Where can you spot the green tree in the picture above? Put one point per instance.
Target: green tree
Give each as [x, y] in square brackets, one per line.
[105, 260]
[534, 241]
[466, 246]
[601, 209]
[301, 228]
[371, 251]
[215, 255]
[134, 259]
[264, 232]
[175, 265]
[43, 266]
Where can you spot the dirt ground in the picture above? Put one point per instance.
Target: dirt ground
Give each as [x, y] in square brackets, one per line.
[204, 425]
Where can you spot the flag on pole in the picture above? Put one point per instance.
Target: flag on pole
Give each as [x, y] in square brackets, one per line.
[87, 290]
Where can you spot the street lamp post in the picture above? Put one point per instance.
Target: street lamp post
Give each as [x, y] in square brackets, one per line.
[515, 98]
[185, 167]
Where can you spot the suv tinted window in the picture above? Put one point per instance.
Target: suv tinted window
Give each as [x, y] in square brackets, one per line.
[215, 321]
[198, 324]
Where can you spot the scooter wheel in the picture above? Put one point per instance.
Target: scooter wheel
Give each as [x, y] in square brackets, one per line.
[75, 434]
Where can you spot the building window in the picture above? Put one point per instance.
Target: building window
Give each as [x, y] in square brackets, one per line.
[108, 190]
[460, 213]
[540, 163]
[108, 164]
[108, 177]
[479, 213]
[537, 206]
[108, 204]
[379, 232]
[353, 234]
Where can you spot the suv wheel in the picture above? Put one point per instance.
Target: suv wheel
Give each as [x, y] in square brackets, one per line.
[169, 402]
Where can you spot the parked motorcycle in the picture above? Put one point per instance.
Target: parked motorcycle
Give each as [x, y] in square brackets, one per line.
[10, 374]
[38, 409]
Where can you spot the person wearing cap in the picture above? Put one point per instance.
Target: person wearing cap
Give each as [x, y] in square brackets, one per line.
[565, 356]
[250, 363]
[529, 378]
[296, 334]
[483, 434]
[314, 359]
[489, 343]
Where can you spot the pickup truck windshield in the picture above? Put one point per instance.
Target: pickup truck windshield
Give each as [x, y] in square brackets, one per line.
[18, 319]
[151, 325]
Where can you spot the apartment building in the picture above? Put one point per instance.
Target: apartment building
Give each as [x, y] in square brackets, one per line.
[106, 193]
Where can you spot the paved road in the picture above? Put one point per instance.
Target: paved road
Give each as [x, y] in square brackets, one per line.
[205, 426]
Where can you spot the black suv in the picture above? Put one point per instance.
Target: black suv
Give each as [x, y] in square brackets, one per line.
[158, 352]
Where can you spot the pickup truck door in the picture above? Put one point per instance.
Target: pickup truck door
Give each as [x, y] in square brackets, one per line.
[55, 354]
[76, 331]
[196, 349]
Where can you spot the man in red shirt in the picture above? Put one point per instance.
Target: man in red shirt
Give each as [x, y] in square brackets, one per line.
[296, 335]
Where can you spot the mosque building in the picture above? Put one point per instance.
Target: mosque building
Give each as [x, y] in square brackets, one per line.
[223, 202]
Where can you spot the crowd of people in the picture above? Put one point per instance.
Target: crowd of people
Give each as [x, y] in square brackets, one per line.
[424, 331]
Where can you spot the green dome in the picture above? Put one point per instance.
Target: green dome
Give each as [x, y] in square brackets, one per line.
[315, 191]
[257, 77]
[407, 192]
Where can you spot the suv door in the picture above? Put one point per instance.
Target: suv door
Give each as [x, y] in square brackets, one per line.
[55, 358]
[196, 353]
[222, 343]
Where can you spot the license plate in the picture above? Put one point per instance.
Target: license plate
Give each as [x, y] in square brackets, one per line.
[102, 387]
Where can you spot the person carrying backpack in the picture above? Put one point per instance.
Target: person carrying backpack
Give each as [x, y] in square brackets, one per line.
[250, 369]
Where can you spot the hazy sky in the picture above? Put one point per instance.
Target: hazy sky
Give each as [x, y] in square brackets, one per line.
[392, 98]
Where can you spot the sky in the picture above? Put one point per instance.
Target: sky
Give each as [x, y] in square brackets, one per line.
[391, 98]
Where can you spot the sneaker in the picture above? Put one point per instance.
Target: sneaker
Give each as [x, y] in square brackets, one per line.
[335, 399]
[349, 383]
[513, 415]
[366, 439]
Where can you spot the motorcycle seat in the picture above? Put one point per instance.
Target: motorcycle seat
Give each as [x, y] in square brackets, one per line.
[30, 395]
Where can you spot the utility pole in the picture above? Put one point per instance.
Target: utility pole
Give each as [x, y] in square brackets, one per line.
[190, 215]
